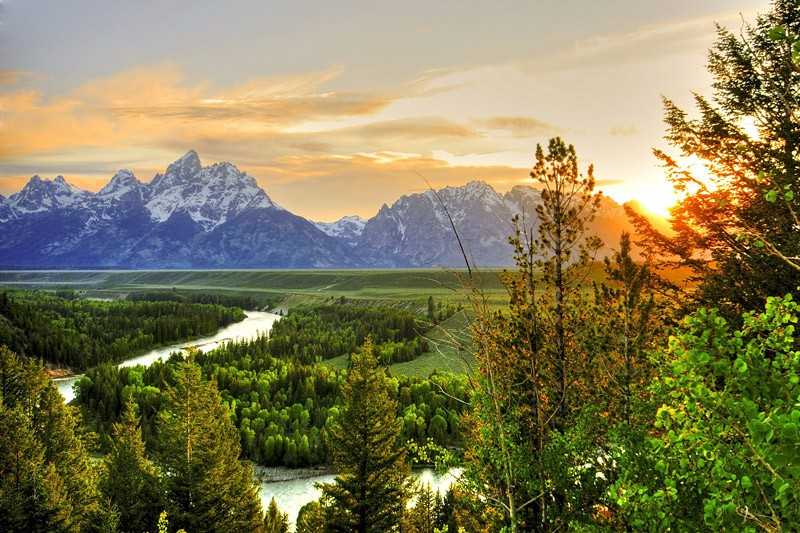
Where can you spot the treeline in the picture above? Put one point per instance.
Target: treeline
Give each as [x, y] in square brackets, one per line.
[314, 333]
[281, 406]
[84, 333]
[227, 300]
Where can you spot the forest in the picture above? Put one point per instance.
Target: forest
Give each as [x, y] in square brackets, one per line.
[636, 401]
[281, 405]
[317, 332]
[65, 331]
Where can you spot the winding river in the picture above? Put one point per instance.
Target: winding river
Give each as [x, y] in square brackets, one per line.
[255, 323]
[290, 493]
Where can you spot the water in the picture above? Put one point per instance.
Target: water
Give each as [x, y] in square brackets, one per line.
[293, 494]
[255, 323]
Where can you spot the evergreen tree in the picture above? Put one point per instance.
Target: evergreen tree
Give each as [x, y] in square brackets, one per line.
[48, 480]
[431, 310]
[372, 484]
[311, 518]
[736, 225]
[275, 521]
[423, 515]
[536, 374]
[208, 488]
[131, 481]
[628, 322]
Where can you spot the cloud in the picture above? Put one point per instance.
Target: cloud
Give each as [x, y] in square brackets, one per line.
[521, 127]
[12, 77]
[149, 106]
[624, 130]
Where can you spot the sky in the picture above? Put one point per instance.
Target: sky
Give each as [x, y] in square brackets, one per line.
[338, 107]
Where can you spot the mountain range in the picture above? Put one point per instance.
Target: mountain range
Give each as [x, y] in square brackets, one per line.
[216, 216]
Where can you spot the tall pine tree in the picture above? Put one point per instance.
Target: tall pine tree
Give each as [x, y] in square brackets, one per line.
[535, 360]
[275, 521]
[372, 484]
[207, 487]
[131, 481]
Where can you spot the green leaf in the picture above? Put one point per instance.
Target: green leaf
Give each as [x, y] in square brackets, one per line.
[771, 196]
[746, 482]
[788, 196]
[778, 33]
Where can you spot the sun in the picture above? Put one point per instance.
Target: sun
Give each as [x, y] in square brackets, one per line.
[654, 197]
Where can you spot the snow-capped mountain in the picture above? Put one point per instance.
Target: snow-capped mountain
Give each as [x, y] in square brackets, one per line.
[348, 228]
[209, 195]
[193, 216]
[415, 231]
[190, 216]
[44, 195]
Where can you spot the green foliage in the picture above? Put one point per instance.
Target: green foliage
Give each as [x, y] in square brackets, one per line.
[275, 521]
[131, 481]
[242, 301]
[314, 333]
[85, 333]
[726, 447]
[372, 484]
[423, 516]
[311, 518]
[47, 481]
[207, 487]
[280, 406]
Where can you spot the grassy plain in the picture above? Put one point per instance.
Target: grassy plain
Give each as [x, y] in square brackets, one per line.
[401, 286]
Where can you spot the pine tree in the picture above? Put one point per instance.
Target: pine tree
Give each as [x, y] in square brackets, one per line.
[534, 361]
[431, 310]
[311, 518]
[207, 487]
[628, 324]
[48, 480]
[131, 481]
[372, 484]
[423, 515]
[275, 521]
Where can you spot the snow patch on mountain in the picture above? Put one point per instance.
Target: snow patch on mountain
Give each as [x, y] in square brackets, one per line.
[348, 227]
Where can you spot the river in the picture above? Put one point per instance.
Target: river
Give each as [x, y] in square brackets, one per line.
[291, 495]
[255, 323]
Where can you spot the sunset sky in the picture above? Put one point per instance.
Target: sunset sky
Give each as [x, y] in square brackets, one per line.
[338, 107]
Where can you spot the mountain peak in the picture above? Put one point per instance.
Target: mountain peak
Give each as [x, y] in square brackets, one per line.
[187, 165]
[121, 184]
[41, 195]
